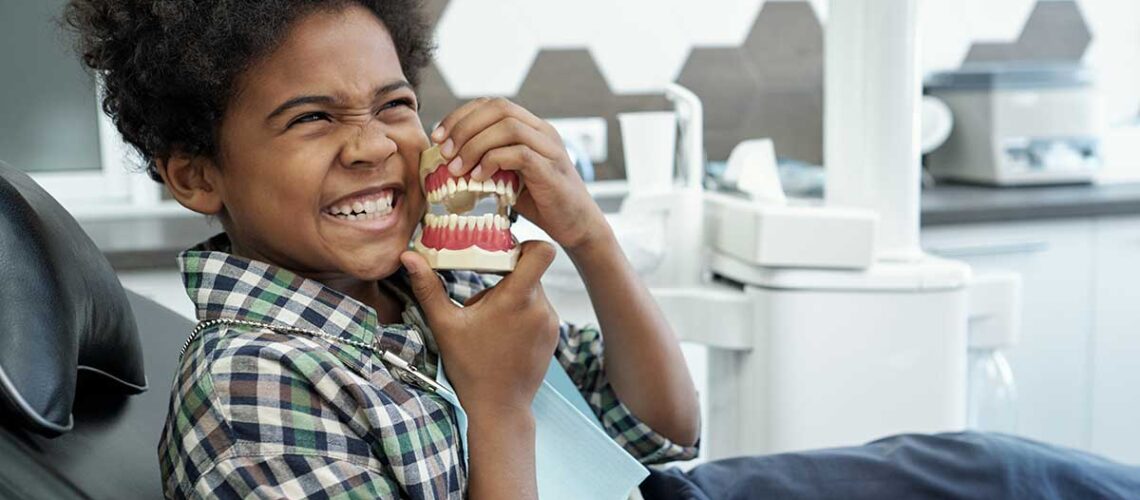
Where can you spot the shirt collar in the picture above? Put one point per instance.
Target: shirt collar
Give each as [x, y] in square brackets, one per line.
[223, 285]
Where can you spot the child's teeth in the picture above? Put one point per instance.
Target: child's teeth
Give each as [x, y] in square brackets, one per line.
[370, 206]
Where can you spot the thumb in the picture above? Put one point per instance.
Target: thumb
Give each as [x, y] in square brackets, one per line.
[426, 284]
[534, 258]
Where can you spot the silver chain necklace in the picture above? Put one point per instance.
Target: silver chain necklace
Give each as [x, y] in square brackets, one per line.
[406, 371]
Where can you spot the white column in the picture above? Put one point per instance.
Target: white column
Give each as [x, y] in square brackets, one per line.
[871, 117]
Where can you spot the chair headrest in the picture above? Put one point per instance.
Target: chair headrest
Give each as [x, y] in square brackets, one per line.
[62, 310]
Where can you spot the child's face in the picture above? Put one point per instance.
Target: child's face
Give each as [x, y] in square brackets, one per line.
[325, 121]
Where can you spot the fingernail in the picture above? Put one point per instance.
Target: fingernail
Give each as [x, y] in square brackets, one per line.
[455, 166]
[476, 171]
[447, 148]
[437, 134]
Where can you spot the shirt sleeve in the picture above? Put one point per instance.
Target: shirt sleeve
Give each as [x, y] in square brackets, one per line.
[462, 285]
[291, 476]
[581, 353]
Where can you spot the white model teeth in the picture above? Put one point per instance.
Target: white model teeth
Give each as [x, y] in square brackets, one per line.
[464, 222]
[461, 185]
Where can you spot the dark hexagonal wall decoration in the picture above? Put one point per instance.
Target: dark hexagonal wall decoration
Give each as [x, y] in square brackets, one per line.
[1055, 31]
[770, 86]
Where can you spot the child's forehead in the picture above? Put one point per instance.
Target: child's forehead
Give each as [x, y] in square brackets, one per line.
[346, 55]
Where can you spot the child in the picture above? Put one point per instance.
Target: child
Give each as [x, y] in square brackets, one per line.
[278, 118]
[281, 118]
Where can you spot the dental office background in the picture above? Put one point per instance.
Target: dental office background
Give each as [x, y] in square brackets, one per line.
[758, 68]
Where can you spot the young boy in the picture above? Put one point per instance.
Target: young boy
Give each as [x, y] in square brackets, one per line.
[271, 116]
[279, 117]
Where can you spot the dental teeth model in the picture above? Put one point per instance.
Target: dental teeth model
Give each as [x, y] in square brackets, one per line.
[457, 239]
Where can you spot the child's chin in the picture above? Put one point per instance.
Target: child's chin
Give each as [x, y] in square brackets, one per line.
[379, 271]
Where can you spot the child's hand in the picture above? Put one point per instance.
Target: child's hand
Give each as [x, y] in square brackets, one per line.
[497, 348]
[487, 135]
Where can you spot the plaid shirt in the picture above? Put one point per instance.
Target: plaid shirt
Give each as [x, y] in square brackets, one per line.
[255, 413]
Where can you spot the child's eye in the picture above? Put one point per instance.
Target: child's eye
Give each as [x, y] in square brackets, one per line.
[309, 117]
[396, 103]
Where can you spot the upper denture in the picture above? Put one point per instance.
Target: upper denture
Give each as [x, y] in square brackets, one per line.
[440, 184]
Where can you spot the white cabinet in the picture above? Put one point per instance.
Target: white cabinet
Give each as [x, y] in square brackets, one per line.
[1051, 363]
[1077, 365]
[1116, 345]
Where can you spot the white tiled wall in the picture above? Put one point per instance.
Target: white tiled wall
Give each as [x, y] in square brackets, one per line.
[949, 27]
[487, 46]
[1115, 54]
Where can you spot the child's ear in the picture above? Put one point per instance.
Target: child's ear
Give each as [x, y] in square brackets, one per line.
[194, 181]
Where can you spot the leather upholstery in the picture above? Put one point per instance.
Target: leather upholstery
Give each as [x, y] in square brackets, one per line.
[62, 312]
[113, 450]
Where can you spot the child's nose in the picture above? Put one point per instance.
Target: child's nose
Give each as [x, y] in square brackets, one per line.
[368, 146]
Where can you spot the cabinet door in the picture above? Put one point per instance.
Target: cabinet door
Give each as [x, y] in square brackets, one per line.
[1051, 360]
[1116, 346]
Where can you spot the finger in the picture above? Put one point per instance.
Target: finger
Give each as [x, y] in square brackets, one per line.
[533, 165]
[487, 114]
[476, 298]
[426, 285]
[440, 133]
[534, 258]
[538, 149]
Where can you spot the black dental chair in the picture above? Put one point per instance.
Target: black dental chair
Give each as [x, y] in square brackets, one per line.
[85, 367]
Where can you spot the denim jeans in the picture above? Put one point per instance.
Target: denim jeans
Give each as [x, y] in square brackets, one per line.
[958, 465]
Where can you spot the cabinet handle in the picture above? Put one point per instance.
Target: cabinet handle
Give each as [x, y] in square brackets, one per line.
[988, 250]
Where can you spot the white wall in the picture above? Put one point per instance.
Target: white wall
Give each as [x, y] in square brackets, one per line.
[487, 46]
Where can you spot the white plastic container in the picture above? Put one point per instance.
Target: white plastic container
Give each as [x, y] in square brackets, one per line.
[842, 357]
[992, 404]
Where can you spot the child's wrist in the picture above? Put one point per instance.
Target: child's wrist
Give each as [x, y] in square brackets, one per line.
[507, 413]
[600, 240]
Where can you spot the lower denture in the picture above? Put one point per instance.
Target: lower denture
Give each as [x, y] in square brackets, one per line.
[490, 239]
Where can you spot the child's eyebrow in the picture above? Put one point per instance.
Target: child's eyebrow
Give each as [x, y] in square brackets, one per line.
[326, 99]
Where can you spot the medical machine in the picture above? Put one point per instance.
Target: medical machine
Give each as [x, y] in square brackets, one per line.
[826, 325]
[1019, 125]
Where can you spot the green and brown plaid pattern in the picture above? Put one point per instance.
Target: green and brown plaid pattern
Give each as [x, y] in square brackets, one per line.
[259, 414]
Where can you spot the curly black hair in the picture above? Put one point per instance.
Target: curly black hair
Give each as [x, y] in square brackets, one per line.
[168, 66]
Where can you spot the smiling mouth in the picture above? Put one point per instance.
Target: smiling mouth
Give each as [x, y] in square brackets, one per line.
[364, 207]
[454, 238]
